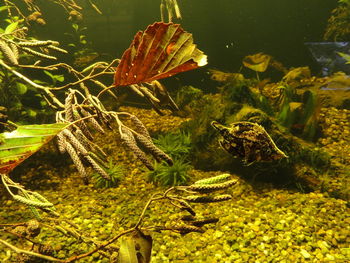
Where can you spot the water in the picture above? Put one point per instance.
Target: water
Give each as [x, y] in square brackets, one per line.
[229, 162]
[227, 30]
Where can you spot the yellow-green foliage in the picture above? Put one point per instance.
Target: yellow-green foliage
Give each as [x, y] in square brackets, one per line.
[248, 113]
[166, 175]
[177, 145]
[338, 27]
[116, 173]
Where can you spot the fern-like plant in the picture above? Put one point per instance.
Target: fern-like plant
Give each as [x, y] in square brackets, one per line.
[177, 145]
[166, 175]
[116, 173]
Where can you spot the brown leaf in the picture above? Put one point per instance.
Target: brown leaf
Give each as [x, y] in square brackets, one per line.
[161, 51]
[136, 248]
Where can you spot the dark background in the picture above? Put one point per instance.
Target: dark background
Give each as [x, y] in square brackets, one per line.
[226, 30]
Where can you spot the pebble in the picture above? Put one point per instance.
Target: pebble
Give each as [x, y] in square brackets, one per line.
[260, 224]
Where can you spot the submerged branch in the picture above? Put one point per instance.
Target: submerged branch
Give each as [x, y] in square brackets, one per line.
[31, 253]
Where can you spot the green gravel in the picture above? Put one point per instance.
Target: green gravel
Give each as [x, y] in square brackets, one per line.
[260, 224]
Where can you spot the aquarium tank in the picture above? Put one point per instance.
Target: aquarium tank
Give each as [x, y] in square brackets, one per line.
[138, 131]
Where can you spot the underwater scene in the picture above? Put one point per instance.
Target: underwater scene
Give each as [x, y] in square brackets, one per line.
[137, 131]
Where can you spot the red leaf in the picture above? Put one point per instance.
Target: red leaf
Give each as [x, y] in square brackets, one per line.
[161, 51]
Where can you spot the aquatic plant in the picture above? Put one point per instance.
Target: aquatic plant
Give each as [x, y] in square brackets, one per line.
[80, 115]
[227, 77]
[165, 175]
[310, 115]
[16, 145]
[185, 96]
[24, 102]
[177, 145]
[201, 192]
[285, 114]
[296, 75]
[205, 109]
[71, 7]
[115, 172]
[183, 224]
[299, 113]
[251, 114]
[257, 62]
[345, 56]
[338, 27]
[80, 47]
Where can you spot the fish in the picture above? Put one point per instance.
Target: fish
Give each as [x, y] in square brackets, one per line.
[248, 141]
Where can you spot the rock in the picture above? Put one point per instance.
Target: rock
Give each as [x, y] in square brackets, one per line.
[304, 253]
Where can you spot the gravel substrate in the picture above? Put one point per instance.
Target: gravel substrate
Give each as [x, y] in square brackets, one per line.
[260, 224]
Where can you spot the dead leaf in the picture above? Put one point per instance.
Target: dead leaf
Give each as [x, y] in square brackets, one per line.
[136, 248]
[161, 51]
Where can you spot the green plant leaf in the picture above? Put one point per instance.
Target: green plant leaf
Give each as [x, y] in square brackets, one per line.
[18, 145]
[3, 8]
[54, 77]
[75, 27]
[345, 56]
[21, 88]
[59, 78]
[11, 27]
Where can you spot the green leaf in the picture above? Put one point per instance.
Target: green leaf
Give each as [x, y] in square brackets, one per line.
[31, 113]
[345, 56]
[3, 8]
[18, 145]
[11, 27]
[53, 77]
[75, 26]
[21, 88]
[49, 74]
[59, 78]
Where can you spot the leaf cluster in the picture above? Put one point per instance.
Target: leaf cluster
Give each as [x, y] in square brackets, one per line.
[177, 145]
[299, 113]
[116, 173]
[166, 175]
[338, 27]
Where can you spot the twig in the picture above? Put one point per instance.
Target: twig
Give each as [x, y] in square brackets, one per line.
[152, 199]
[31, 253]
[74, 258]
[38, 86]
